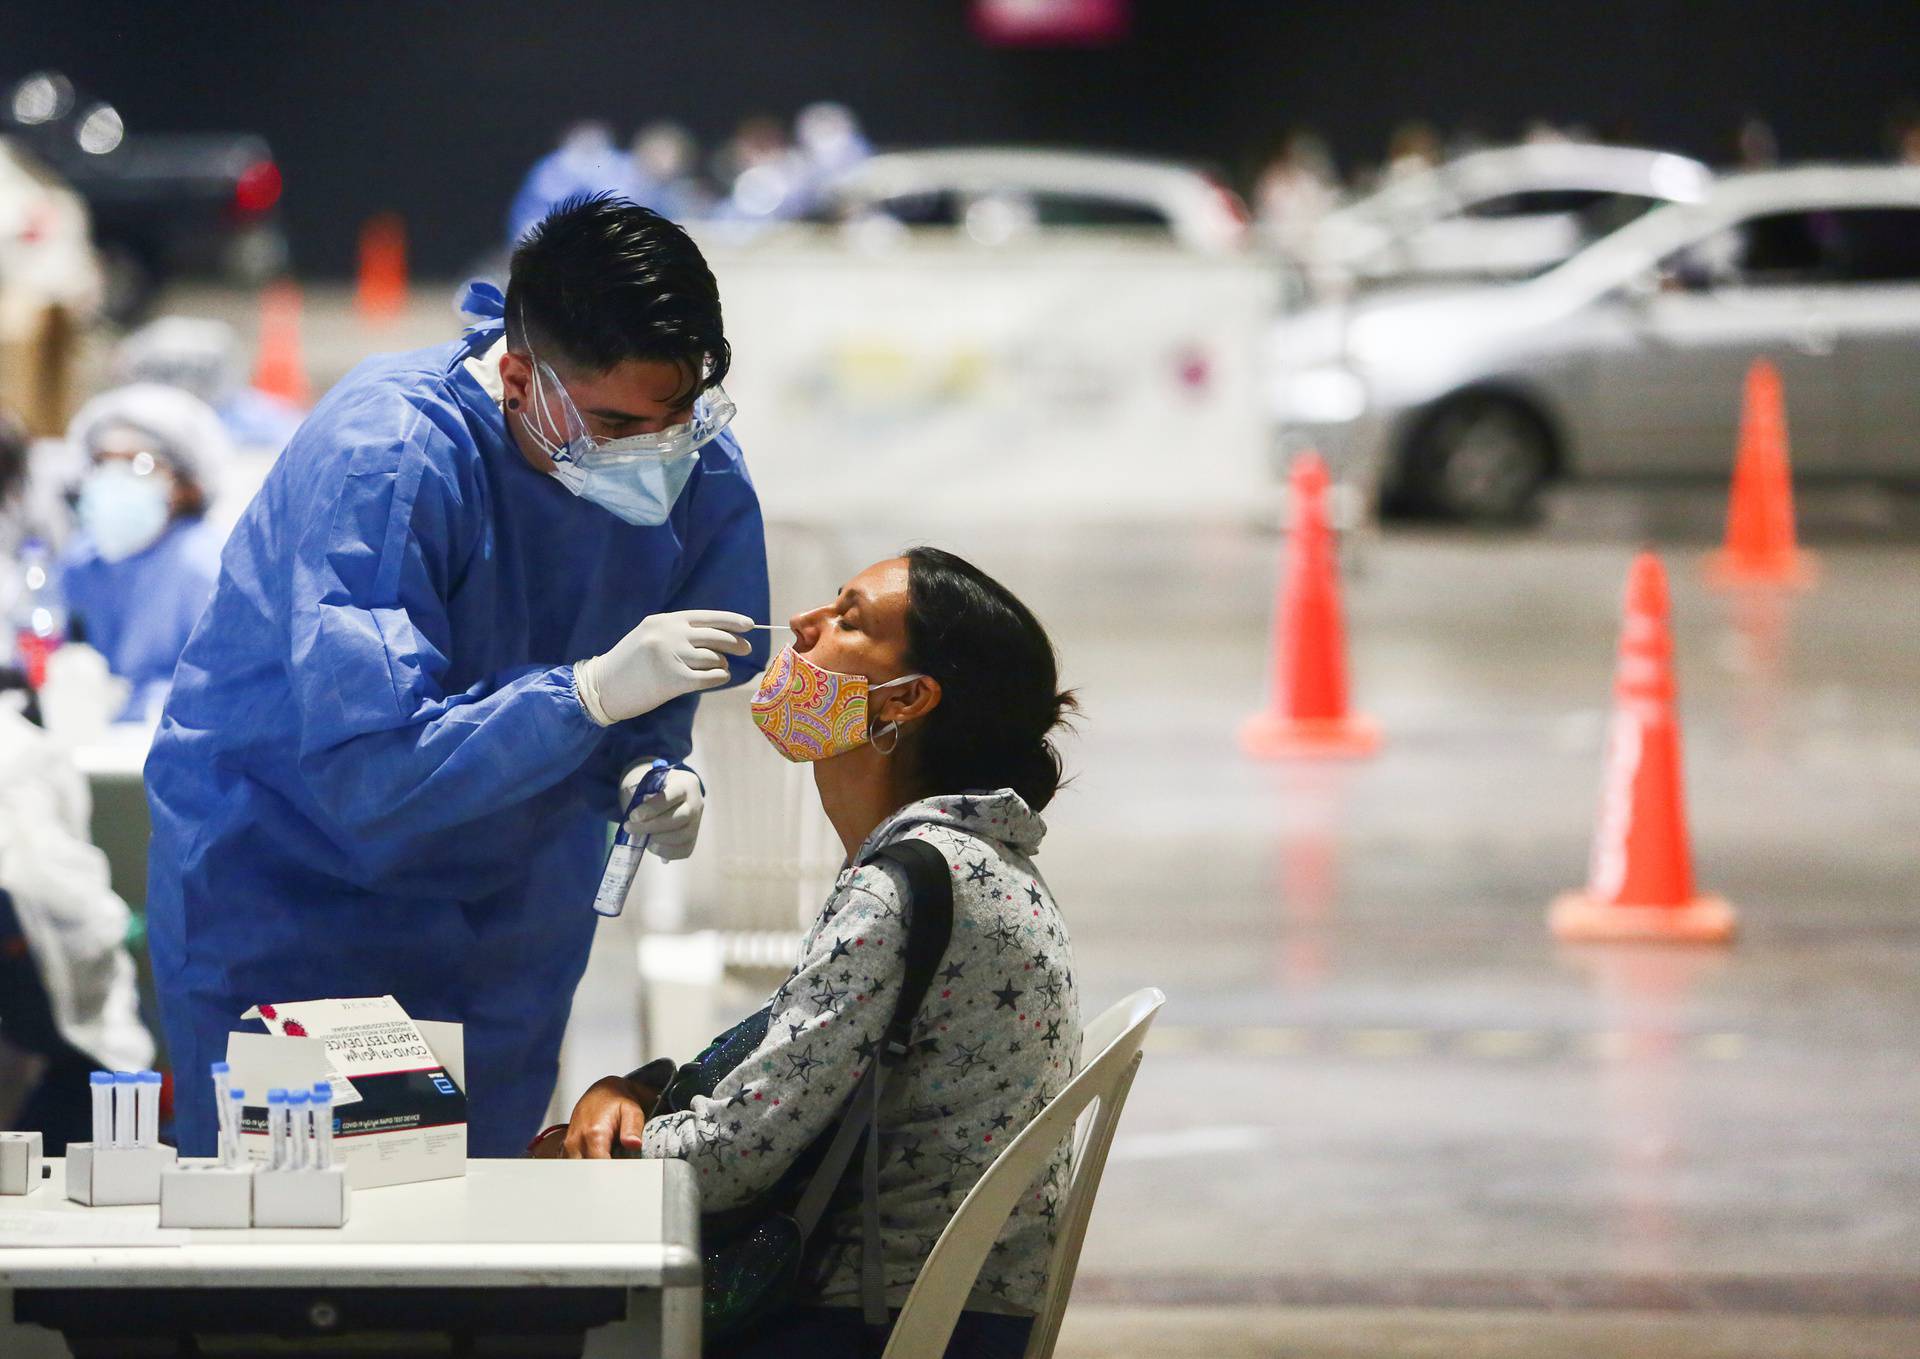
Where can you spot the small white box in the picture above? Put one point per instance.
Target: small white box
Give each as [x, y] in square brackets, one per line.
[112, 1177]
[206, 1194]
[301, 1198]
[19, 1162]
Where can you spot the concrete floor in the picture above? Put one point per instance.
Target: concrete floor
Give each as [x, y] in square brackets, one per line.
[1383, 1113]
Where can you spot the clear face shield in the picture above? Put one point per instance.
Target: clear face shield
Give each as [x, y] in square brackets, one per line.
[637, 478]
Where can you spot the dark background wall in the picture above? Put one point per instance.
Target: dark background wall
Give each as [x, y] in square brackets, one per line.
[435, 109]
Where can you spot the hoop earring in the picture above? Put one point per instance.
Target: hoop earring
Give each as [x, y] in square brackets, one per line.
[893, 727]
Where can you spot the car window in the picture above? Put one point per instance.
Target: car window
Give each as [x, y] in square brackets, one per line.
[1829, 245]
[934, 208]
[1536, 202]
[1088, 210]
[1878, 245]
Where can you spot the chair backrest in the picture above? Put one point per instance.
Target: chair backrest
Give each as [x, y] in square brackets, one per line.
[1088, 1108]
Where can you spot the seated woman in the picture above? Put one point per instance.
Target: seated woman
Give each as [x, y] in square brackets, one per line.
[140, 572]
[956, 752]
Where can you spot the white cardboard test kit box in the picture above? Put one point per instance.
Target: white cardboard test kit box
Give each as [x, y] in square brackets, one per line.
[20, 1162]
[399, 1085]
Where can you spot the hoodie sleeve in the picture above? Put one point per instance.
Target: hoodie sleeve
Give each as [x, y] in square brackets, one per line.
[825, 1024]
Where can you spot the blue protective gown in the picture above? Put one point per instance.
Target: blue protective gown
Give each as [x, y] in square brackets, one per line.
[139, 611]
[374, 775]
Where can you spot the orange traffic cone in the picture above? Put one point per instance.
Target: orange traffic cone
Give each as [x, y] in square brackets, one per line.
[1309, 714]
[1641, 881]
[382, 291]
[1760, 547]
[279, 370]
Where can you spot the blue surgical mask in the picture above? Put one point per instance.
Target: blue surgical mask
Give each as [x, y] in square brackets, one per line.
[122, 510]
[638, 478]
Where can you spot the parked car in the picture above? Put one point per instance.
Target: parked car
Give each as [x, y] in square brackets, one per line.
[163, 203]
[997, 195]
[1503, 213]
[1628, 358]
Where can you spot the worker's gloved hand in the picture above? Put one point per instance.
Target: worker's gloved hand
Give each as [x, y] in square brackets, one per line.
[669, 820]
[668, 655]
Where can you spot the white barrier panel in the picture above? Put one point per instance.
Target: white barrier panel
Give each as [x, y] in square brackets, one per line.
[1077, 379]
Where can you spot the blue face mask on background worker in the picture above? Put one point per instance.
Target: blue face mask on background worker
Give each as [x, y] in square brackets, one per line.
[142, 568]
[386, 767]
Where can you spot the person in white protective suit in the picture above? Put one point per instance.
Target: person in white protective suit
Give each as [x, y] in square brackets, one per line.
[67, 993]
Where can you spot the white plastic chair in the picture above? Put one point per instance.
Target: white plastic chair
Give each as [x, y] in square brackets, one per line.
[1088, 1110]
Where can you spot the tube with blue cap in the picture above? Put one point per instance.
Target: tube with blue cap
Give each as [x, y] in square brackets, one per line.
[100, 1085]
[623, 860]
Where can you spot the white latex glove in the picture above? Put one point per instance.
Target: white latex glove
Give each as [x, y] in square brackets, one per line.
[668, 655]
[669, 821]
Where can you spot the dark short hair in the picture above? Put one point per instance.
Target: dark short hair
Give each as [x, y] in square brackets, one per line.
[1000, 700]
[602, 281]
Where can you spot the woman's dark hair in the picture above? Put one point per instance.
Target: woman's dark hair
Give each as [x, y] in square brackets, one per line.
[1000, 700]
[602, 281]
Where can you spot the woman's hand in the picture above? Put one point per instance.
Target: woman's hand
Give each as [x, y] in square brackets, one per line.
[607, 1120]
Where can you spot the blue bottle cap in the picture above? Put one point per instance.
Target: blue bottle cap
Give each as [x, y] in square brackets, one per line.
[100, 1078]
[150, 1078]
[124, 1078]
[221, 1068]
[298, 1096]
[276, 1096]
[322, 1092]
[236, 1094]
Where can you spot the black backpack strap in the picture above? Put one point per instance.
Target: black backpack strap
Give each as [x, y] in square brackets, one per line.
[929, 930]
[929, 911]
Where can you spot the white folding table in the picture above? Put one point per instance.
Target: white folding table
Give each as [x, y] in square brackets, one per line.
[511, 1259]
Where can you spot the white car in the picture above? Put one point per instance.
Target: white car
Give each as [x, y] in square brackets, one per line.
[999, 195]
[1628, 359]
[1503, 213]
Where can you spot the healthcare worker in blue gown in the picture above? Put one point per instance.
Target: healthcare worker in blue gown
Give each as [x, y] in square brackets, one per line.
[143, 566]
[474, 600]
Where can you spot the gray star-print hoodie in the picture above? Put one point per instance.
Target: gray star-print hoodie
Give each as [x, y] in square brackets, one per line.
[997, 1037]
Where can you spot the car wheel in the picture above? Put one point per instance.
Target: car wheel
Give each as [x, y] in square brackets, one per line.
[1482, 459]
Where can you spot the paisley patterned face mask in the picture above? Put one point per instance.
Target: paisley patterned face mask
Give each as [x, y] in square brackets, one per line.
[809, 713]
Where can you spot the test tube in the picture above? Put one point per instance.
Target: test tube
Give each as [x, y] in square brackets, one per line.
[123, 1083]
[100, 1083]
[223, 1082]
[147, 1109]
[230, 1125]
[323, 1125]
[277, 1128]
[302, 1129]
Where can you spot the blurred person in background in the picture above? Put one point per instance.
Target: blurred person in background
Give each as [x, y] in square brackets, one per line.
[68, 1002]
[757, 168]
[202, 356]
[585, 162]
[1413, 148]
[664, 154]
[1298, 187]
[1755, 147]
[828, 142]
[1903, 134]
[139, 572]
